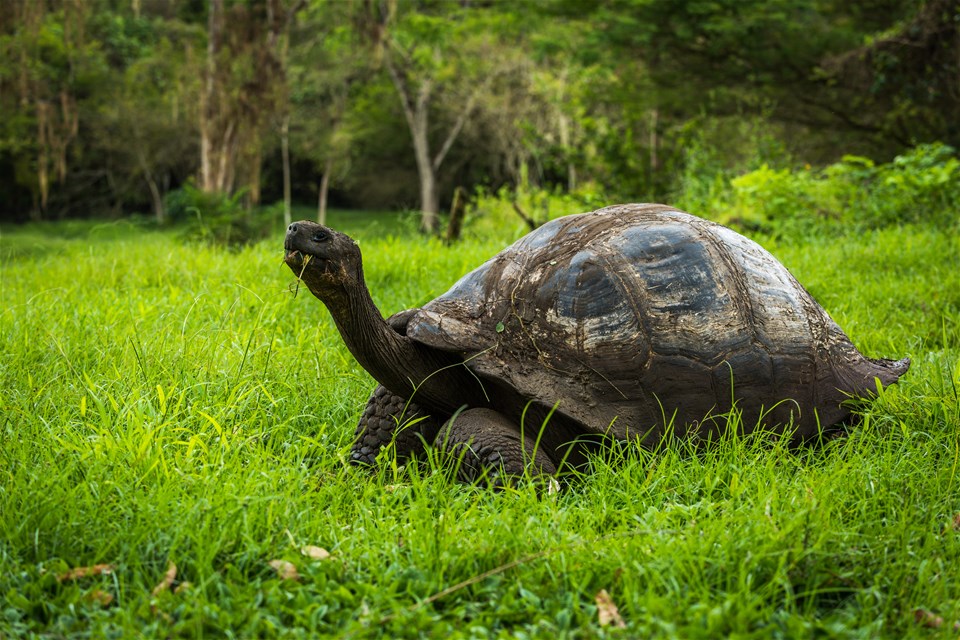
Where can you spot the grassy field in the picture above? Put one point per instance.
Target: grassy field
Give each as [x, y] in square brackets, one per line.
[166, 405]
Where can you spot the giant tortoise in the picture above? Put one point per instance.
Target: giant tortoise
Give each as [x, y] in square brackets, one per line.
[633, 322]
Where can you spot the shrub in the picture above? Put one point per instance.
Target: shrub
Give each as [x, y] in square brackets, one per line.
[921, 186]
[217, 218]
[502, 213]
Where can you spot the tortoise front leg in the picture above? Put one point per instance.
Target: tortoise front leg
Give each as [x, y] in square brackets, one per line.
[489, 448]
[389, 418]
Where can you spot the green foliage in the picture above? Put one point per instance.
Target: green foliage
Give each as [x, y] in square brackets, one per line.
[176, 403]
[501, 214]
[220, 219]
[102, 104]
[921, 186]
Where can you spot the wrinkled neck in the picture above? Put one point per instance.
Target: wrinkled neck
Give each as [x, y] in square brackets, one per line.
[409, 369]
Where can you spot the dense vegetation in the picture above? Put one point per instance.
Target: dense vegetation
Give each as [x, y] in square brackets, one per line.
[111, 108]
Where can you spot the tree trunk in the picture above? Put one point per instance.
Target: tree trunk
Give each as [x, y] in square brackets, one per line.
[158, 209]
[155, 195]
[43, 158]
[420, 131]
[417, 116]
[429, 200]
[324, 188]
[564, 125]
[208, 101]
[654, 142]
[457, 212]
[252, 161]
[285, 152]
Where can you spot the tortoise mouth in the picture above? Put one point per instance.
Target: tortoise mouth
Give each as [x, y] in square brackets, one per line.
[303, 263]
[294, 258]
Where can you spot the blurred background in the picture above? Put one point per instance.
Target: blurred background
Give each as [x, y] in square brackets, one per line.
[738, 109]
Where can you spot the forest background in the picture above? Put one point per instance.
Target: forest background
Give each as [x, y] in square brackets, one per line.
[112, 108]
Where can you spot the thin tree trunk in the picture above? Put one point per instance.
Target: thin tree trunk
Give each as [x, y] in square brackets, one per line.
[419, 131]
[158, 209]
[324, 188]
[430, 202]
[254, 174]
[417, 116]
[220, 182]
[43, 157]
[654, 159]
[285, 152]
[530, 222]
[457, 212]
[208, 106]
[564, 126]
[155, 194]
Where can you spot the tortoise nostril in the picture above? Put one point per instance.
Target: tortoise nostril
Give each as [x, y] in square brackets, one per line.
[292, 228]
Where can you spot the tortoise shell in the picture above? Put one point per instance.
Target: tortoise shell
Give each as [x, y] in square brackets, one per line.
[635, 319]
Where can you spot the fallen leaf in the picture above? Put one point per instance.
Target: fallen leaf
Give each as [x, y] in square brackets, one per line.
[607, 612]
[285, 570]
[931, 620]
[956, 522]
[85, 572]
[99, 597]
[167, 580]
[553, 487]
[315, 553]
[927, 619]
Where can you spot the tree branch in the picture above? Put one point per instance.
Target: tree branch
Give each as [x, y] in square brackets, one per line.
[455, 131]
[403, 91]
[462, 120]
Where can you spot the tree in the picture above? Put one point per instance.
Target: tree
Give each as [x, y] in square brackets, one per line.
[52, 62]
[440, 65]
[326, 65]
[150, 125]
[243, 88]
[903, 83]
[784, 59]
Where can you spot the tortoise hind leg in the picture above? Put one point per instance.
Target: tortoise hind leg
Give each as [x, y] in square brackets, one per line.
[389, 418]
[490, 449]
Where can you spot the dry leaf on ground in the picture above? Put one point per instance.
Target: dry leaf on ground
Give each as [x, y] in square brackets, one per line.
[931, 620]
[315, 553]
[607, 611]
[167, 580]
[85, 572]
[285, 570]
[100, 597]
[927, 619]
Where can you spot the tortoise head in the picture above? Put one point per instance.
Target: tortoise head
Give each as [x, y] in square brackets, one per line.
[326, 260]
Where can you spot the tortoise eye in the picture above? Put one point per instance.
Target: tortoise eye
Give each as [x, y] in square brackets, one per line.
[320, 236]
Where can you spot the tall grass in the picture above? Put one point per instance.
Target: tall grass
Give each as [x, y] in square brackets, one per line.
[168, 403]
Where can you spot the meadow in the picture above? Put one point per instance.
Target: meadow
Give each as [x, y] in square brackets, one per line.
[175, 421]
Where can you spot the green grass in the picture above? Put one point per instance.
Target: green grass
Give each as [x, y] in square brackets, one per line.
[168, 403]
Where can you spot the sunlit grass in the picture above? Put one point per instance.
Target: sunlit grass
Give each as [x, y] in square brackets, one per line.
[168, 403]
